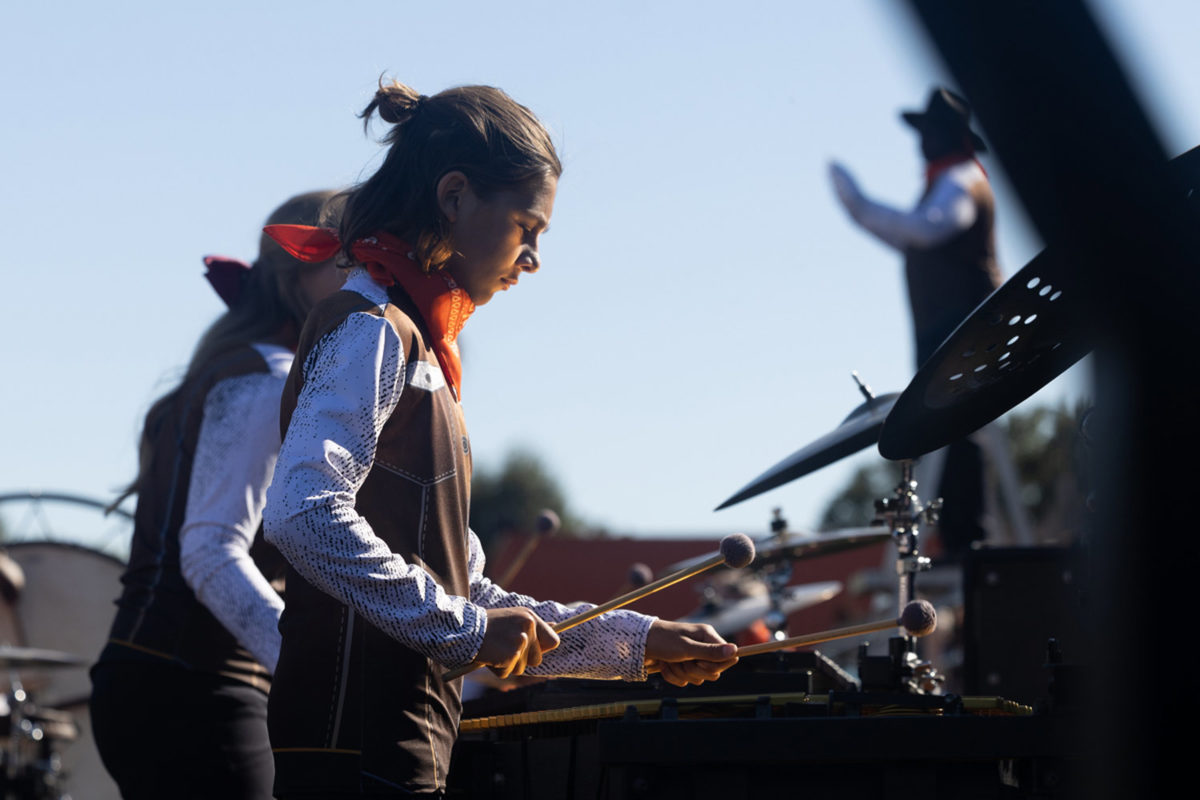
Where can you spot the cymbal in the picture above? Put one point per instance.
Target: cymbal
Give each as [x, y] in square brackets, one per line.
[737, 615]
[858, 430]
[794, 546]
[1024, 335]
[16, 657]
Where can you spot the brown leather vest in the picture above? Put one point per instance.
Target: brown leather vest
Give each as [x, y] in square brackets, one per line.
[947, 282]
[353, 709]
[158, 616]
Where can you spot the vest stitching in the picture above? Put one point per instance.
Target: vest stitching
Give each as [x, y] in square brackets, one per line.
[345, 670]
[403, 473]
[421, 555]
[331, 727]
[429, 733]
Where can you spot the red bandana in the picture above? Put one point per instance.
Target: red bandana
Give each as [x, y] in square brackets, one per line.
[227, 276]
[442, 302]
[934, 169]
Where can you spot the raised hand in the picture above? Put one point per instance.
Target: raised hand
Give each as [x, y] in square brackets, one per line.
[845, 187]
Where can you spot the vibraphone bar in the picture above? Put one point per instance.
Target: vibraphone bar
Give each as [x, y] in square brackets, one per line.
[727, 705]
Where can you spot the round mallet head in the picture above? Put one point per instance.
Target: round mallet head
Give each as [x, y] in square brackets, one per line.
[640, 575]
[738, 550]
[547, 523]
[919, 618]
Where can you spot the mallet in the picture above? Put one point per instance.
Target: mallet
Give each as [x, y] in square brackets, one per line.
[737, 550]
[547, 524]
[919, 618]
[640, 575]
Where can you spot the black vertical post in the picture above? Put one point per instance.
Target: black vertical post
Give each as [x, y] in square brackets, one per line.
[1064, 122]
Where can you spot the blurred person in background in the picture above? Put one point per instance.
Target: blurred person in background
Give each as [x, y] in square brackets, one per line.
[949, 246]
[179, 700]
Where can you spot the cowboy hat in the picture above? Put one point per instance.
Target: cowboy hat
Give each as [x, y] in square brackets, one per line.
[945, 111]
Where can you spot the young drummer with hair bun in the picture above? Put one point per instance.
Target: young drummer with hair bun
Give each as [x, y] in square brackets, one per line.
[371, 496]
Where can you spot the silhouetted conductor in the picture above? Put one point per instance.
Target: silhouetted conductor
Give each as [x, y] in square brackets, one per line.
[948, 242]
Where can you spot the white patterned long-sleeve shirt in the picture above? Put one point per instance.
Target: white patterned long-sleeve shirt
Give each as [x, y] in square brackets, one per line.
[353, 379]
[945, 211]
[231, 469]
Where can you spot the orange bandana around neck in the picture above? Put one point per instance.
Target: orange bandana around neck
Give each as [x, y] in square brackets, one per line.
[934, 169]
[443, 304]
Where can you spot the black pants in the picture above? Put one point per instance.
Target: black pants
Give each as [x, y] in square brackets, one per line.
[165, 731]
[960, 522]
[962, 485]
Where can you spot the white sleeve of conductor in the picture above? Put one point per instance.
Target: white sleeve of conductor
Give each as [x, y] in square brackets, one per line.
[235, 454]
[352, 382]
[947, 211]
[612, 645]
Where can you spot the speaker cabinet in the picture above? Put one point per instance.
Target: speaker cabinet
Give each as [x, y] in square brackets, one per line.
[1014, 601]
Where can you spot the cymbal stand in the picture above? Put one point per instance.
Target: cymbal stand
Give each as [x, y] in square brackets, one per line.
[777, 577]
[15, 700]
[903, 513]
[32, 768]
[901, 670]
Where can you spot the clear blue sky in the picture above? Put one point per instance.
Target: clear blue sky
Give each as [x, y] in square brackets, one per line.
[703, 299]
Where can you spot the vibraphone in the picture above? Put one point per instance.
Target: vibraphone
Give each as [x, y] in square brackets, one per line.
[835, 744]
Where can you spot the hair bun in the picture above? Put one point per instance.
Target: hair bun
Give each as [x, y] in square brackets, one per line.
[395, 102]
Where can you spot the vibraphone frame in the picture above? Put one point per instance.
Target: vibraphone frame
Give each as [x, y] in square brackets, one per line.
[839, 745]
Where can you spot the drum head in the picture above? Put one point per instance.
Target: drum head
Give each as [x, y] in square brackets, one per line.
[67, 604]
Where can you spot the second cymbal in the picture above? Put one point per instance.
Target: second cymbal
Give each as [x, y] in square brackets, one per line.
[736, 615]
[858, 430]
[19, 657]
[794, 546]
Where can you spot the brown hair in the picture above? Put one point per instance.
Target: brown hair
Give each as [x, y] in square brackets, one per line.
[479, 130]
[271, 307]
